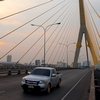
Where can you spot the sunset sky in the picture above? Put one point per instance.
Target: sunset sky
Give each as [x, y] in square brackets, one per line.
[7, 25]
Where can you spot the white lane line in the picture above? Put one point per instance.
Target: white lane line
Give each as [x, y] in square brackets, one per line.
[2, 92]
[73, 87]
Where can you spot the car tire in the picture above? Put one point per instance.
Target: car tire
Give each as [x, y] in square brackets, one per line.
[59, 83]
[48, 89]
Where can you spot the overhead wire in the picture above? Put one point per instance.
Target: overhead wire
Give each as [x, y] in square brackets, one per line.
[24, 10]
[91, 37]
[72, 33]
[55, 38]
[65, 41]
[94, 9]
[94, 32]
[62, 35]
[69, 34]
[31, 20]
[93, 28]
[93, 22]
[27, 35]
[92, 48]
[37, 41]
[53, 32]
[66, 38]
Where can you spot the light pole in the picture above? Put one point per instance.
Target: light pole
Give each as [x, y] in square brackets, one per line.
[45, 28]
[67, 45]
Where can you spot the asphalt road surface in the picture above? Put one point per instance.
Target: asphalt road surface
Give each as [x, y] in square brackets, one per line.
[74, 86]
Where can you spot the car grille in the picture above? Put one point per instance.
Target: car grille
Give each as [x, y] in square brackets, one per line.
[29, 82]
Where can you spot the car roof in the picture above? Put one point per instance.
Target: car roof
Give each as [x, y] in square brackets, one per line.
[44, 68]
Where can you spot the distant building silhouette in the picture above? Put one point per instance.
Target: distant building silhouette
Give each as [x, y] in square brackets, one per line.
[37, 62]
[9, 58]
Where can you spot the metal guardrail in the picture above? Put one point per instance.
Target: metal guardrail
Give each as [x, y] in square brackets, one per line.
[25, 70]
[97, 83]
[9, 70]
[92, 88]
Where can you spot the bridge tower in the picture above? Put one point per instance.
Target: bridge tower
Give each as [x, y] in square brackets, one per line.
[83, 31]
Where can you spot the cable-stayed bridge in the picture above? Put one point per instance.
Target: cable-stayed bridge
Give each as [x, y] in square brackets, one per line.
[51, 31]
[26, 43]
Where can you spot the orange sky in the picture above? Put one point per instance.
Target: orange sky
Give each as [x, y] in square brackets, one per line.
[7, 25]
[1, 43]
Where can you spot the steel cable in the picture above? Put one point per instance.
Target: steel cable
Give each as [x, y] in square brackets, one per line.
[24, 10]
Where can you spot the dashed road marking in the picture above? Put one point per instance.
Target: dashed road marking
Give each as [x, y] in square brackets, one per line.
[2, 92]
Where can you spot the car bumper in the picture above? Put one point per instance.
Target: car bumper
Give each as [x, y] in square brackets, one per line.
[39, 87]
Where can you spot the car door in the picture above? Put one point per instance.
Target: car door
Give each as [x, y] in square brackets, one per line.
[53, 78]
[57, 77]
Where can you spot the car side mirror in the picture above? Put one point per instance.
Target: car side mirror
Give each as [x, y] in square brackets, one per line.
[53, 75]
[29, 73]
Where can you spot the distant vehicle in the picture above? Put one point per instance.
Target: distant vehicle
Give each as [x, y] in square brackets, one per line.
[41, 79]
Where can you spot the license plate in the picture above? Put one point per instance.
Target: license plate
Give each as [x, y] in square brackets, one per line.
[30, 86]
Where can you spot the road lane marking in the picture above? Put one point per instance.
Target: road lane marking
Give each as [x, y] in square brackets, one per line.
[73, 87]
[2, 92]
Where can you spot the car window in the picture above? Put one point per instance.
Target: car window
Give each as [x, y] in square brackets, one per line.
[44, 72]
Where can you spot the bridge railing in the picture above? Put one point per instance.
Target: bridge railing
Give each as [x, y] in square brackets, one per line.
[9, 70]
[97, 83]
[92, 88]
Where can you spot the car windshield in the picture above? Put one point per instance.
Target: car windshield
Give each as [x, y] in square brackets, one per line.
[44, 72]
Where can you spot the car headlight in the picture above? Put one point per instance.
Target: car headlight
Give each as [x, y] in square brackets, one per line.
[23, 79]
[42, 82]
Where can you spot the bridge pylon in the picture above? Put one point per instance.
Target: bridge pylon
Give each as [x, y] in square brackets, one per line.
[82, 31]
[88, 40]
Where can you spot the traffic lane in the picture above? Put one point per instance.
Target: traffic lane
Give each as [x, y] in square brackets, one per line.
[10, 81]
[72, 78]
[71, 73]
[80, 90]
[10, 86]
[59, 93]
[14, 92]
[17, 93]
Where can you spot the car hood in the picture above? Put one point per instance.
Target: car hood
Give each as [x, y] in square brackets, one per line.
[35, 77]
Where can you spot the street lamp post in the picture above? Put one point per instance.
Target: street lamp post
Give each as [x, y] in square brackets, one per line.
[67, 45]
[45, 28]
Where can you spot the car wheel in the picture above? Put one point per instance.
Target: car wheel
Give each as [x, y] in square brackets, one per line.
[59, 83]
[48, 89]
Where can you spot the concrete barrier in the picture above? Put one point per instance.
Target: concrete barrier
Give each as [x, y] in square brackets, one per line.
[25, 70]
[92, 88]
[97, 83]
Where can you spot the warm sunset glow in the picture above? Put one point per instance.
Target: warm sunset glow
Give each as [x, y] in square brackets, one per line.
[1, 43]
